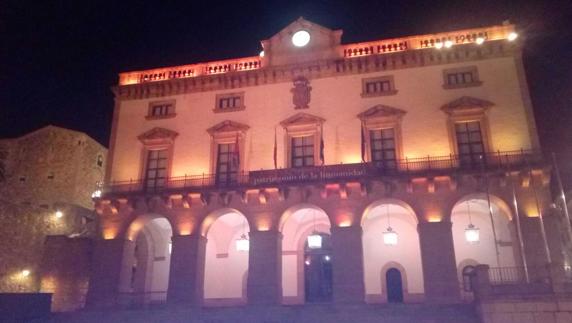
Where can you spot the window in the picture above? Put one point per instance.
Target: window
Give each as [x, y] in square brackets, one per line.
[229, 102]
[159, 110]
[227, 164]
[99, 161]
[469, 143]
[156, 172]
[461, 77]
[383, 148]
[302, 151]
[378, 86]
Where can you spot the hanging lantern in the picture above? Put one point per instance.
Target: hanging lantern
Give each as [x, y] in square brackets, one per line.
[472, 234]
[315, 240]
[243, 244]
[390, 237]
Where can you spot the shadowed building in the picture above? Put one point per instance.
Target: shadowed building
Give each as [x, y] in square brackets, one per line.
[319, 171]
[49, 176]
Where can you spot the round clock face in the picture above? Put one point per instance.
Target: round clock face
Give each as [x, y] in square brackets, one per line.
[301, 38]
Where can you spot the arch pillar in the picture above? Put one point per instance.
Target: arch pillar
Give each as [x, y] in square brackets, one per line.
[186, 275]
[438, 260]
[264, 285]
[347, 260]
[106, 271]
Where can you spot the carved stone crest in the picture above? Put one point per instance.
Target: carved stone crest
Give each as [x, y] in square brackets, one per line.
[301, 93]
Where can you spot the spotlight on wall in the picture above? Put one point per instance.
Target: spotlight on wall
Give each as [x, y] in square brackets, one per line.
[438, 45]
[315, 240]
[480, 40]
[390, 237]
[472, 234]
[307, 262]
[327, 258]
[512, 36]
[59, 214]
[261, 53]
[25, 273]
[96, 194]
[448, 44]
[242, 244]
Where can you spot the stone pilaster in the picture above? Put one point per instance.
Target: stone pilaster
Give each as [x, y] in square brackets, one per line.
[347, 261]
[438, 260]
[187, 272]
[106, 272]
[264, 284]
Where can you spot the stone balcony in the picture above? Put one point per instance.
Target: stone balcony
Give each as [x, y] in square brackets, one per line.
[427, 167]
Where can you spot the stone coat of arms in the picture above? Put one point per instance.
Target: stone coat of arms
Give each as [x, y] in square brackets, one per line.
[301, 93]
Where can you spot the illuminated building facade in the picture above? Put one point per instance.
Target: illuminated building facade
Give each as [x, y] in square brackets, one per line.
[320, 171]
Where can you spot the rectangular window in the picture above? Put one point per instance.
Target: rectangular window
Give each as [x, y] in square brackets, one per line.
[227, 163]
[378, 86]
[461, 77]
[469, 143]
[156, 172]
[229, 102]
[302, 151]
[383, 152]
[158, 110]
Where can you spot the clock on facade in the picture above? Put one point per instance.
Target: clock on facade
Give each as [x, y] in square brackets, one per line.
[301, 38]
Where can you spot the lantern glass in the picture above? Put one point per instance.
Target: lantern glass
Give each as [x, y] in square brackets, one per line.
[242, 244]
[390, 237]
[472, 234]
[315, 241]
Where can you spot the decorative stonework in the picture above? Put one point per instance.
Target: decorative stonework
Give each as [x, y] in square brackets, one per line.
[466, 103]
[157, 135]
[301, 93]
[381, 111]
[300, 119]
[226, 127]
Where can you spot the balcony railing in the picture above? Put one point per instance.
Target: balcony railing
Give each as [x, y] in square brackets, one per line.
[341, 172]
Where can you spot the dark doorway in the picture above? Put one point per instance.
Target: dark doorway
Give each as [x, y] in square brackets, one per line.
[394, 286]
[318, 271]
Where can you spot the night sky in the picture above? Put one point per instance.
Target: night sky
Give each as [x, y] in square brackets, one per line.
[58, 59]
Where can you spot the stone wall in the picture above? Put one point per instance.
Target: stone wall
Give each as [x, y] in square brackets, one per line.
[537, 310]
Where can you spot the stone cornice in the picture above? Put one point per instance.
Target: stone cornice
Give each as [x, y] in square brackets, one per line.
[317, 70]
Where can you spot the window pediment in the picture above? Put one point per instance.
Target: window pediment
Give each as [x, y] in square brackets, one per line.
[227, 127]
[157, 136]
[466, 105]
[302, 119]
[381, 111]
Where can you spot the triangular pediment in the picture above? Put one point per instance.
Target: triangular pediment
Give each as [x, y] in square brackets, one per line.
[381, 111]
[323, 44]
[302, 119]
[466, 103]
[227, 126]
[157, 134]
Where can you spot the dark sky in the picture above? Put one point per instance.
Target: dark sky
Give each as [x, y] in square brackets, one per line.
[58, 59]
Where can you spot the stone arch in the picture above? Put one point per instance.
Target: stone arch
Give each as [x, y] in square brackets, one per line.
[377, 255]
[474, 209]
[296, 224]
[226, 268]
[146, 260]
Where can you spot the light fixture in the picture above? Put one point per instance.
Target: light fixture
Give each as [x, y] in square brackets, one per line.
[307, 262]
[261, 53]
[512, 36]
[243, 244]
[438, 45]
[327, 258]
[480, 40]
[301, 38]
[59, 214]
[25, 273]
[389, 236]
[448, 43]
[471, 232]
[96, 194]
[315, 240]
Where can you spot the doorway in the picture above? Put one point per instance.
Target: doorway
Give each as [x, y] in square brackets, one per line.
[318, 271]
[394, 285]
